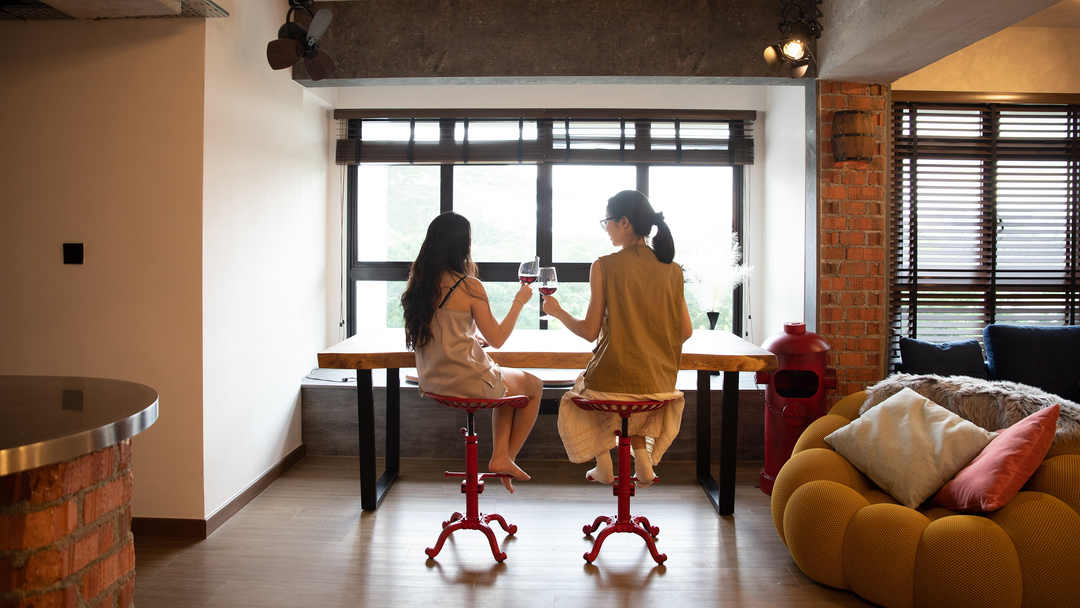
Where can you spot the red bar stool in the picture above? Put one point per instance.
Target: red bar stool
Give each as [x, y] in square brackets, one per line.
[473, 484]
[624, 483]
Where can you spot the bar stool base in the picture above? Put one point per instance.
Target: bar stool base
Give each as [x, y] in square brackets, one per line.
[461, 521]
[637, 525]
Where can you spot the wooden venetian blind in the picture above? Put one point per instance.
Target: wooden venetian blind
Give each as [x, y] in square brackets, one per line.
[545, 136]
[984, 217]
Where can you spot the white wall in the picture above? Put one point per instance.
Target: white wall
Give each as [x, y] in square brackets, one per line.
[786, 177]
[1015, 60]
[265, 237]
[102, 144]
[782, 223]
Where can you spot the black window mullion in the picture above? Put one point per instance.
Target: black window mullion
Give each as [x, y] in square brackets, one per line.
[990, 204]
[913, 239]
[380, 271]
[1074, 212]
[446, 181]
[349, 283]
[738, 215]
[446, 188]
[544, 222]
[544, 214]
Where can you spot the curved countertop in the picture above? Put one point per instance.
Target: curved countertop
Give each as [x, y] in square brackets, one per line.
[50, 419]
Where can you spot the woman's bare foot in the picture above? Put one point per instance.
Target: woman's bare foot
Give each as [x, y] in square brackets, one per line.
[603, 472]
[507, 467]
[643, 468]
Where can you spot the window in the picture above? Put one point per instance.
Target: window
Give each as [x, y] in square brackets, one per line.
[984, 217]
[535, 184]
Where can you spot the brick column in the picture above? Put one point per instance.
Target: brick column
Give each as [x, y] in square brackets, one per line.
[65, 533]
[852, 297]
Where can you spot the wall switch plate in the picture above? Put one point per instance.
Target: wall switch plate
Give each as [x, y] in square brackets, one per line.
[73, 253]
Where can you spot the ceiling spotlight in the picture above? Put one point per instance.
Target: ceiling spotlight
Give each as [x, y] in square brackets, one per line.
[798, 27]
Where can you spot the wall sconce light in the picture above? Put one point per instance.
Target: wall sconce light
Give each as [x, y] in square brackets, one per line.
[852, 136]
[796, 31]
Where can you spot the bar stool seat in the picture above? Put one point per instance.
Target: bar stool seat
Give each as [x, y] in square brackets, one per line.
[473, 484]
[624, 483]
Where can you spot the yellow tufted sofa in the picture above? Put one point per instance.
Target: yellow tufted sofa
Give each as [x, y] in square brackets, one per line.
[844, 532]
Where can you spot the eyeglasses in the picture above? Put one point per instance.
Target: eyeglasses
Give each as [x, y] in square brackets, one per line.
[604, 222]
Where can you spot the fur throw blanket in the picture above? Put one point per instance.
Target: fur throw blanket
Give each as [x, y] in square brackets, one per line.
[991, 404]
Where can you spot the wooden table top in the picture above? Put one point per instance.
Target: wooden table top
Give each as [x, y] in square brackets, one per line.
[554, 349]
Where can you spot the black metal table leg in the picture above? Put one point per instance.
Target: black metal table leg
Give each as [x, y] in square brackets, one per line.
[704, 437]
[722, 494]
[729, 441]
[373, 489]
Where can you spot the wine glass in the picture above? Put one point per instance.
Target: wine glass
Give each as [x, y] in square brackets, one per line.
[527, 273]
[549, 282]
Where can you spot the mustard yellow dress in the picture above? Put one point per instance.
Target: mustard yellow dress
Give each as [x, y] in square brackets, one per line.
[636, 357]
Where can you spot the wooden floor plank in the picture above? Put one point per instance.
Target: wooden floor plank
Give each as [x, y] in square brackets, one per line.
[305, 541]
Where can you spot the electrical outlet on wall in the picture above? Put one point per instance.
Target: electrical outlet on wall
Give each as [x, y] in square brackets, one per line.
[73, 253]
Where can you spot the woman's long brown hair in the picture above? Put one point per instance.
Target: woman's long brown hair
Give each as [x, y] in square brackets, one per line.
[446, 248]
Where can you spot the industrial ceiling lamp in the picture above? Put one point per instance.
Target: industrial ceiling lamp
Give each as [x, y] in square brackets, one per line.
[798, 26]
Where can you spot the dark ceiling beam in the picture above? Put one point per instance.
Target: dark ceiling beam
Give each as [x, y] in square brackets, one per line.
[435, 39]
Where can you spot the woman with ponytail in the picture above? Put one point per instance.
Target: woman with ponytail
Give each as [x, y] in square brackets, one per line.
[638, 317]
[445, 304]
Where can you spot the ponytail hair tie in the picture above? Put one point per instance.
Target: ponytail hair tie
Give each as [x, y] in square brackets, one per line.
[659, 217]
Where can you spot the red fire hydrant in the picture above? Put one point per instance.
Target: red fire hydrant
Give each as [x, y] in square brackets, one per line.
[794, 395]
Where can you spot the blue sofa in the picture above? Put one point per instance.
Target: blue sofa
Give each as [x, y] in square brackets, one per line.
[1044, 357]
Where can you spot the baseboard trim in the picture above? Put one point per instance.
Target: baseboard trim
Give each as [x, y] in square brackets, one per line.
[202, 528]
[168, 526]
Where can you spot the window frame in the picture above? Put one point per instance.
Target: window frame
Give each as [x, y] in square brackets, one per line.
[990, 287]
[357, 270]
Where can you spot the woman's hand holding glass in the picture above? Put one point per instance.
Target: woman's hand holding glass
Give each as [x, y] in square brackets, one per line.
[551, 306]
[548, 282]
[524, 294]
[527, 273]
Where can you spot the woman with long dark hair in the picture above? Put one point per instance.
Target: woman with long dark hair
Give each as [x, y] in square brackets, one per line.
[445, 304]
[638, 316]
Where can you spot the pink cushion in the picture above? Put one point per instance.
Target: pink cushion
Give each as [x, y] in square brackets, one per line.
[995, 476]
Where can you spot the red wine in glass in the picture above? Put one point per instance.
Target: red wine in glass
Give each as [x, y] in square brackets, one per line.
[549, 282]
[528, 271]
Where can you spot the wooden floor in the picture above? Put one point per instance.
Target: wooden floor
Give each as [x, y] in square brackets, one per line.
[306, 542]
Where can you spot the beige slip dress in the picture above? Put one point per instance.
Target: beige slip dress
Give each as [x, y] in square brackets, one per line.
[453, 363]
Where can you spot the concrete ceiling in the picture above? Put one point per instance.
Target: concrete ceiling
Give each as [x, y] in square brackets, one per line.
[864, 40]
[56, 10]
[111, 9]
[883, 40]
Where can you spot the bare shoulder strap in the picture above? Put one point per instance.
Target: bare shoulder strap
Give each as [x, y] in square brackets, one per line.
[451, 291]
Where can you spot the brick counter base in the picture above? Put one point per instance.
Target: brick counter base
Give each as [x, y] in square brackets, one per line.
[65, 533]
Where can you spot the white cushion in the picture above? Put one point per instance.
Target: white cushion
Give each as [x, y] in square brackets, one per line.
[909, 446]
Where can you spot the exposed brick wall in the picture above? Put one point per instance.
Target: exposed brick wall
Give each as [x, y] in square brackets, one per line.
[852, 302]
[65, 533]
